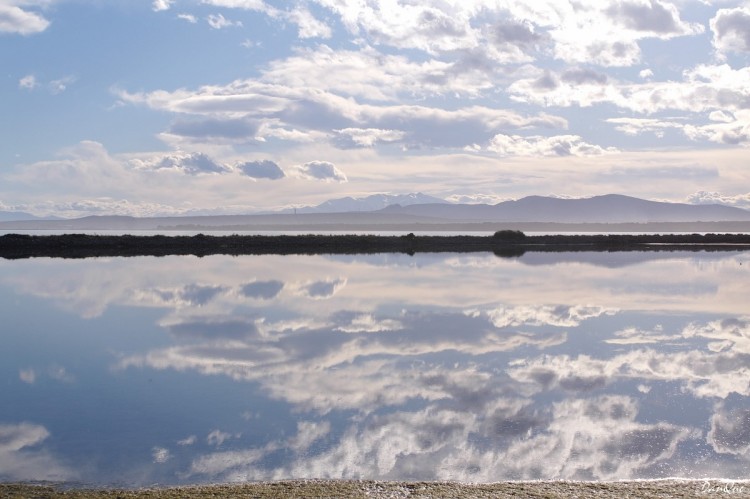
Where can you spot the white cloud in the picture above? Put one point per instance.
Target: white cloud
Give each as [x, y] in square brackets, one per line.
[188, 17]
[238, 4]
[160, 455]
[558, 145]
[708, 197]
[189, 163]
[661, 19]
[366, 137]
[730, 432]
[727, 128]
[366, 323]
[14, 19]
[546, 315]
[322, 289]
[317, 97]
[599, 32]
[188, 440]
[28, 82]
[320, 170]
[218, 437]
[61, 85]
[636, 126]
[731, 28]
[308, 25]
[408, 25]
[159, 5]
[218, 21]
[720, 93]
[478, 198]
[261, 169]
[23, 456]
[27, 375]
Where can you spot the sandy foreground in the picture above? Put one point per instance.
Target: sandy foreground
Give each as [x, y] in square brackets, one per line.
[673, 488]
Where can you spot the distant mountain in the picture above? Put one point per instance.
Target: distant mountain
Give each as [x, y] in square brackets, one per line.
[534, 213]
[7, 216]
[611, 208]
[370, 203]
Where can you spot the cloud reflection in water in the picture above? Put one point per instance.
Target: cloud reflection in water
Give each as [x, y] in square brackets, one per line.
[454, 367]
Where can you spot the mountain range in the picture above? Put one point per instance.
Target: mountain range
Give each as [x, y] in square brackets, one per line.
[422, 212]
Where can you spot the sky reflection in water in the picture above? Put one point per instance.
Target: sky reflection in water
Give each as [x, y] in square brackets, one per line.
[452, 367]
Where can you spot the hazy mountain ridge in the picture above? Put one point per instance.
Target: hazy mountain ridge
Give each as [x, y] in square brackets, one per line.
[607, 209]
[610, 208]
[373, 202]
[8, 216]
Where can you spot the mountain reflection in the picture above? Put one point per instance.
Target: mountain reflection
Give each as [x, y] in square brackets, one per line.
[447, 367]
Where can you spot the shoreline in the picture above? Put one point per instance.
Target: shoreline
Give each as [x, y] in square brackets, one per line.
[671, 487]
[506, 243]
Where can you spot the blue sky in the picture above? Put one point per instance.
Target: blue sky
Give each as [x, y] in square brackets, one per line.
[227, 106]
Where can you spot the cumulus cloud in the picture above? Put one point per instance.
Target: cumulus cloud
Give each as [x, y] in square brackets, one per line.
[308, 26]
[28, 82]
[637, 126]
[16, 20]
[549, 315]
[714, 372]
[58, 86]
[322, 290]
[27, 375]
[160, 455]
[365, 137]
[366, 323]
[654, 16]
[218, 21]
[218, 437]
[720, 93]
[368, 73]
[61, 85]
[727, 128]
[320, 170]
[262, 290]
[159, 5]
[23, 457]
[524, 37]
[261, 169]
[188, 17]
[712, 197]
[559, 145]
[238, 4]
[189, 163]
[192, 295]
[730, 432]
[731, 29]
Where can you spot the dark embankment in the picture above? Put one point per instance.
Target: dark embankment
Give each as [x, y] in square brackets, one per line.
[503, 243]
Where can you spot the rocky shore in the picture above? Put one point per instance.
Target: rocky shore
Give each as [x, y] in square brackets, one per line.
[670, 488]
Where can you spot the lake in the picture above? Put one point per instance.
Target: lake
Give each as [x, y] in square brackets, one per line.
[470, 367]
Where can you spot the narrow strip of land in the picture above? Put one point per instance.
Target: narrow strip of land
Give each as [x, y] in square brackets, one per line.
[502, 243]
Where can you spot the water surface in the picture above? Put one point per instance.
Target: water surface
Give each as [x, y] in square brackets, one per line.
[596, 366]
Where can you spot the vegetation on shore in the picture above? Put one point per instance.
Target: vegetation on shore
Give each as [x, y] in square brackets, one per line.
[502, 243]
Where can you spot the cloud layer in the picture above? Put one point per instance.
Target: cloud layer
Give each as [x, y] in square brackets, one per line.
[461, 100]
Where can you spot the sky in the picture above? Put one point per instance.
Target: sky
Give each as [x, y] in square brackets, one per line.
[171, 107]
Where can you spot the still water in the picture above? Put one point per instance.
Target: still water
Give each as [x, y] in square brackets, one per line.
[595, 366]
